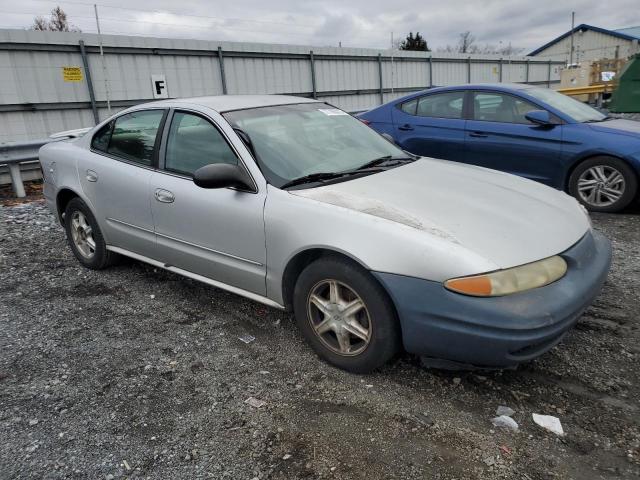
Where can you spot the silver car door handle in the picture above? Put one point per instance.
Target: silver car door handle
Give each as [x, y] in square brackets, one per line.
[164, 196]
[92, 176]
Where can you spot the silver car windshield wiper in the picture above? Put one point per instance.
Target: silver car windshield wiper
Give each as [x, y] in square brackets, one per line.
[384, 159]
[320, 176]
[375, 165]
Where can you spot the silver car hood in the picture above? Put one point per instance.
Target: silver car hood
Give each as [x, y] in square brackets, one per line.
[506, 219]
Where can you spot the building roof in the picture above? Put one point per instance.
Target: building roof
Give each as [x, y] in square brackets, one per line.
[633, 31]
[583, 26]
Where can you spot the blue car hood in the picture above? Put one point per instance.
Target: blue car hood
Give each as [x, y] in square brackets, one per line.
[619, 126]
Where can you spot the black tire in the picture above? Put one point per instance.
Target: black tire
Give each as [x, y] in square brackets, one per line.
[379, 313]
[101, 257]
[630, 183]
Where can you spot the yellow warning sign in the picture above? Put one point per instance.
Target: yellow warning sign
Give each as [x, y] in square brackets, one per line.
[72, 74]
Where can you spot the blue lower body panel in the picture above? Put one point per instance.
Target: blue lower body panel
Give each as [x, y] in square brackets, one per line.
[498, 331]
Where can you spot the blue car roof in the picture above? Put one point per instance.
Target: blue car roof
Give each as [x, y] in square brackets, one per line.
[498, 87]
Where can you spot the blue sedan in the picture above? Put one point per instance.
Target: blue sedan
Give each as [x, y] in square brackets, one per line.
[529, 131]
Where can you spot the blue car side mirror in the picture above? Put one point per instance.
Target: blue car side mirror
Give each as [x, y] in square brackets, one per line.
[540, 117]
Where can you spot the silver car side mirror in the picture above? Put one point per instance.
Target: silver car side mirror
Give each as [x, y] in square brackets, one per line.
[221, 175]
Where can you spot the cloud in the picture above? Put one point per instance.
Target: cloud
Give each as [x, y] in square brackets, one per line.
[357, 23]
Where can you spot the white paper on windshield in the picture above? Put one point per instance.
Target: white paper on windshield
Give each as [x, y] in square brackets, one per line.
[332, 111]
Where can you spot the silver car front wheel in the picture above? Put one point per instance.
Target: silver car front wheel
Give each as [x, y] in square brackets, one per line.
[339, 317]
[346, 315]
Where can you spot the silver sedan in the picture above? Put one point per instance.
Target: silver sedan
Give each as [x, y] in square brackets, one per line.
[294, 203]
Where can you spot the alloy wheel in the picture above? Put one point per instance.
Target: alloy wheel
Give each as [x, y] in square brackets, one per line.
[339, 317]
[601, 185]
[82, 235]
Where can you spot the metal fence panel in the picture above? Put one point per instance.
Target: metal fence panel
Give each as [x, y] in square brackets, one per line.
[450, 73]
[36, 99]
[335, 75]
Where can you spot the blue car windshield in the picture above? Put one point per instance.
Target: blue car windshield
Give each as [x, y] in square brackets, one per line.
[579, 111]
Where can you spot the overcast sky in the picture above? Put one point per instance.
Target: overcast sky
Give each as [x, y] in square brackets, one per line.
[360, 23]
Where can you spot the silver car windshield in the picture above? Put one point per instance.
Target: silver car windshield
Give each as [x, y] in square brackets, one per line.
[293, 141]
[579, 111]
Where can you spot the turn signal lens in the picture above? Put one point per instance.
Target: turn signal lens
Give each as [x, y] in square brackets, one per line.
[511, 280]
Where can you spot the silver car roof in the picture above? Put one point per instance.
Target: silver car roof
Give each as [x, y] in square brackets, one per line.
[225, 103]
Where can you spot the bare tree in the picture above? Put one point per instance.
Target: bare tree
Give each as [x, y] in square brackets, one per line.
[57, 23]
[465, 42]
[40, 23]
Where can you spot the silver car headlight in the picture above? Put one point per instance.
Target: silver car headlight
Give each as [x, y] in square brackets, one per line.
[511, 280]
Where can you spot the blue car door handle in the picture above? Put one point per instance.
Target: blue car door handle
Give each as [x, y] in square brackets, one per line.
[478, 134]
[406, 126]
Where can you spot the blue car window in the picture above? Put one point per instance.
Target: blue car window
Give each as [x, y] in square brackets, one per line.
[441, 105]
[497, 107]
[410, 106]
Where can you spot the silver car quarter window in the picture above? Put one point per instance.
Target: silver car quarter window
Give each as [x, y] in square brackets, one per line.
[100, 140]
[194, 142]
[291, 141]
[134, 136]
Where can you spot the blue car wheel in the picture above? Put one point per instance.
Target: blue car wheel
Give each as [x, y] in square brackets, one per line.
[603, 184]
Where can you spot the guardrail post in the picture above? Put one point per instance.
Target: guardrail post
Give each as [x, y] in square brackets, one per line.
[549, 75]
[469, 70]
[380, 75]
[87, 73]
[222, 74]
[16, 180]
[313, 74]
[430, 71]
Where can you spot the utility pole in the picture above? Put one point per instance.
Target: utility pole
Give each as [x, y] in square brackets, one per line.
[391, 62]
[104, 65]
[573, 22]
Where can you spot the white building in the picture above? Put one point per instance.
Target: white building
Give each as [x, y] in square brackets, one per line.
[591, 43]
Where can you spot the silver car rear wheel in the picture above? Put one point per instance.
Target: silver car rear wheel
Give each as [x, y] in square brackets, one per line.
[339, 317]
[82, 235]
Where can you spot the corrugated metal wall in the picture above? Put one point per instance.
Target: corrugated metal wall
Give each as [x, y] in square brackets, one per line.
[35, 99]
[589, 45]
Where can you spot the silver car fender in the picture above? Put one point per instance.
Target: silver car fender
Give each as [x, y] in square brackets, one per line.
[295, 224]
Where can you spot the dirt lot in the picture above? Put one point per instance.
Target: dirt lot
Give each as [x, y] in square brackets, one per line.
[134, 372]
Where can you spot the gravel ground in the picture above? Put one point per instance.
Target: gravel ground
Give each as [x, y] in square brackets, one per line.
[139, 373]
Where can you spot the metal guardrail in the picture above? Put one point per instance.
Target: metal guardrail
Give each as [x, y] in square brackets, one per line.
[13, 154]
[597, 90]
